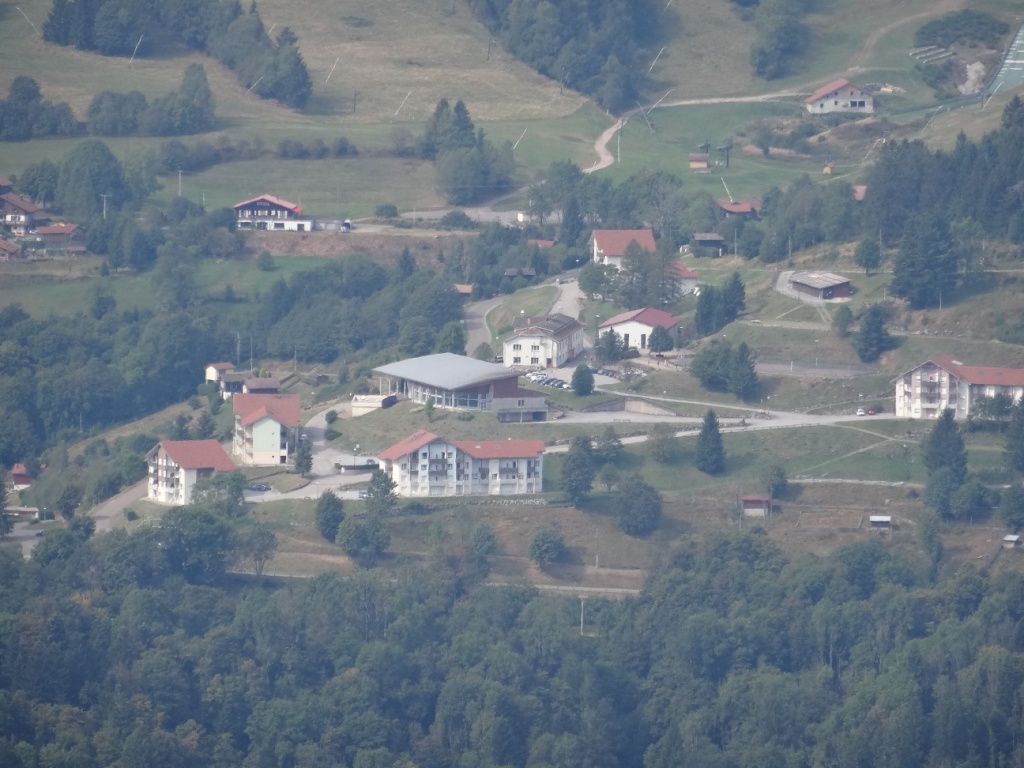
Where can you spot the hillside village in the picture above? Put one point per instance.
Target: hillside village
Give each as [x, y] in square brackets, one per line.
[511, 384]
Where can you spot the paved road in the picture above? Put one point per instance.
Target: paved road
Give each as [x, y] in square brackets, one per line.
[1011, 73]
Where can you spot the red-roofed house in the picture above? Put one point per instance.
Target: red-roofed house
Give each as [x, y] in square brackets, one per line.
[5, 184]
[18, 213]
[749, 208]
[176, 465]
[9, 250]
[686, 279]
[839, 96]
[424, 464]
[59, 235]
[265, 427]
[20, 478]
[610, 244]
[273, 213]
[925, 391]
[756, 505]
[635, 326]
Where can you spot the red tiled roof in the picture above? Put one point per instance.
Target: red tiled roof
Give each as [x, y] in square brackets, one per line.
[680, 271]
[647, 316]
[750, 205]
[980, 374]
[697, 157]
[275, 200]
[859, 191]
[463, 289]
[825, 90]
[613, 242]
[19, 469]
[20, 202]
[221, 366]
[501, 449]
[250, 408]
[413, 442]
[4, 181]
[57, 229]
[198, 454]
[9, 247]
[540, 243]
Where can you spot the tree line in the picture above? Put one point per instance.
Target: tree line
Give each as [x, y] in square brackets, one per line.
[598, 48]
[272, 68]
[133, 649]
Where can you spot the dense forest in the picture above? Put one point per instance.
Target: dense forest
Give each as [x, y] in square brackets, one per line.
[598, 48]
[135, 649]
[273, 68]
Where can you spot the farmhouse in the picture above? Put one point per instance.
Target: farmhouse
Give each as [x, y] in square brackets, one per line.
[424, 464]
[265, 428]
[839, 96]
[59, 235]
[635, 326]
[214, 371]
[461, 383]
[820, 285]
[18, 213]
[610, 244]
[748, 209]
[261, 385]
[271, 213]
[926, 390]
[548, 341]
[176, 465]
[20, 478]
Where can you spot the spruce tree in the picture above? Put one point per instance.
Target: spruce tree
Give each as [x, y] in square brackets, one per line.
[734, 297]
[660, 340]
[944, 448]
[742, 378]
[710, 451]
[578, 470]
[872, 338]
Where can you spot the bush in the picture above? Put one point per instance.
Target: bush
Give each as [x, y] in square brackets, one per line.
[331, 416]
[344, 148]
[962, 27]
[386, 211]
[130, 514]
[416, 508]
[456, 220]
[290, 149]
[547, 547]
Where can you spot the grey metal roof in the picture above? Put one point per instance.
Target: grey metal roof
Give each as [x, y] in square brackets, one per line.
[445, 370]
[556, 326]
[818, 279]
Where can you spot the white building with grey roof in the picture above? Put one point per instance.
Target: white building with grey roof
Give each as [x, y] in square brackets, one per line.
[548, 341]
[462, 383]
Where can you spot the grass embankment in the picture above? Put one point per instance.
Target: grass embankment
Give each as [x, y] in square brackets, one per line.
[525, 301]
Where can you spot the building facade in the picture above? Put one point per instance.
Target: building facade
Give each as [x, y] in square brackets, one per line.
[548, 341]
[461, 383]
[18, 213]
[424, 464]
[266, 427]
[925, 391]
[610, 244]
[635, 327]
[267, 212]
[176, 465]
[839, 96]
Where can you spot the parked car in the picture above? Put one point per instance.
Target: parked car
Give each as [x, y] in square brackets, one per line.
[871, 411]
[860, 412]
[364, 494]
[260, 487]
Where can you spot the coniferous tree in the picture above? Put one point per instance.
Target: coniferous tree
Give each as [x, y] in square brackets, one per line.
[868, 254]
[330, 514]
[944, 448]
[710, 450]
[742, 378]
[872, 338]
[925, 268]
[6, 526]
[660, 340]
[734, 297]
[582, 381]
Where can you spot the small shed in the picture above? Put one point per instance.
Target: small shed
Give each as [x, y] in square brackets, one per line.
[264, 385]
[698, 161]
[880, 522]
[1011, 541]
[756, 505]
[708, 239]
[821, 285]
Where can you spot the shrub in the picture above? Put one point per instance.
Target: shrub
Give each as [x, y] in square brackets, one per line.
[456, 220]
[331, 416]
[130, 514]
[386, 211]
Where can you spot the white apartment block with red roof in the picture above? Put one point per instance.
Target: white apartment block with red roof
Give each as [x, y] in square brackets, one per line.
[424, 464]
[925, 391]
[267, 212]
[176, 465]
[265, 428]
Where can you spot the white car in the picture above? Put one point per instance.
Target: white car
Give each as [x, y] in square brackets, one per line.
[860, 411]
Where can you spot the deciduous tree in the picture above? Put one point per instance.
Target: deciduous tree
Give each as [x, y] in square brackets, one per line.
[578, 470]
[330, 513]
[582, 381]
[546, 547]
[637, 507]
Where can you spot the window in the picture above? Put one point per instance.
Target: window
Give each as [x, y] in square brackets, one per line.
[423, 455]
[534, 361]
[517, 347]
[516, 360]
[535, 348]
[521, 403]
